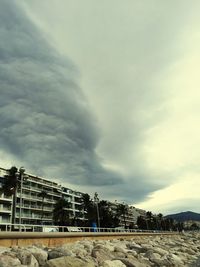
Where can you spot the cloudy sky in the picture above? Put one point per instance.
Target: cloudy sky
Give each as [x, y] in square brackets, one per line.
[104, 96]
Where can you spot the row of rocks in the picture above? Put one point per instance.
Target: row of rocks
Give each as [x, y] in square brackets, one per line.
[177, 250]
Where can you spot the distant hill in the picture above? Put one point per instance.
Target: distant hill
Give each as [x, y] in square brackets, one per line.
[184, 216]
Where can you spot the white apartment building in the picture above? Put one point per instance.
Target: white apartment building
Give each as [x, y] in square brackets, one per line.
[131, 215]
[33, 209]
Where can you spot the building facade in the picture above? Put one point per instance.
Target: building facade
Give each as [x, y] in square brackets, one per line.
[131, 215]
[31, 206]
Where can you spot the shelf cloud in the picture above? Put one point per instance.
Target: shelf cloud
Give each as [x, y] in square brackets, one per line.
[103, 97]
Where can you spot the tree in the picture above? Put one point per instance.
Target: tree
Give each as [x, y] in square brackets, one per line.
[61, 214]
[10, 187]
[107, 218]
[11, 181]
[88, 208]
[161, 221]
[149, 217]
[141, 223]
[43, 194]
[194, 226]
[122, 210]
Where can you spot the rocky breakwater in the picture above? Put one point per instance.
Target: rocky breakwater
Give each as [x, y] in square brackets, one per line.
[178, 250]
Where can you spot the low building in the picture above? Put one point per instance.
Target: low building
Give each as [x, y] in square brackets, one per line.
[191, 224]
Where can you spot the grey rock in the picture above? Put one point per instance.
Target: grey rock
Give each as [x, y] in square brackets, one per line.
[132, 262]
[102, 254]
[9, 260]
[40, 254]
[135, 247]
[160, 251]
[119, 249]
[68, 262]
[175, 260]
[58, 252]
[26, 258]
[4, 249]
[114, 263]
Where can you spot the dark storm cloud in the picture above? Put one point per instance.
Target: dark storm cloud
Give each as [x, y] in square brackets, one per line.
[45, 119]
[46, 122]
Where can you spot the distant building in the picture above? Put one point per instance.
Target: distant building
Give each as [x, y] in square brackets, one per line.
[130, 217]
[188, 224]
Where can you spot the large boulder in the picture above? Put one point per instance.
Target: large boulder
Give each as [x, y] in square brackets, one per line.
[102, 254]
[9, 260]
[40, 254]
[135, 247]
[175, 260]
[4, 249]
[68, 261]
[120, 249]
[160, 251]
[132, 262]
[59, 252]
[114, 263]
[88, 245]
[26, 258]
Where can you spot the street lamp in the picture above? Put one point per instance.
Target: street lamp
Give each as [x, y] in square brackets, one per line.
[21, 176]
[96, 201]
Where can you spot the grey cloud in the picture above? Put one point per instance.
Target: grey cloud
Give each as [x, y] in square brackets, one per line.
[124, 52]
[45, 118]
[46, 121]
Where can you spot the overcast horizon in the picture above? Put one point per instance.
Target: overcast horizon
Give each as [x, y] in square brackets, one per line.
[104, 97]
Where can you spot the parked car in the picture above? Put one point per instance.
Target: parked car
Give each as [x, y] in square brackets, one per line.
[120, 229]
[50, 229]
[74, 229]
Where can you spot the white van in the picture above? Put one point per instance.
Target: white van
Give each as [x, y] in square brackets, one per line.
[74, 229]
[50, 229]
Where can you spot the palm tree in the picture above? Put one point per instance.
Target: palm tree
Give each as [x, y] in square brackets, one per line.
[88, 207]
[149, 219]
[10, 187]
[61, 214]
[43, 194]
[160, 217]
[122, 210]
[85, 201]
[107, 218]
[142, 223]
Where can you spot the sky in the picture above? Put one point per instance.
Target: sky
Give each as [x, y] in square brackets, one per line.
[103, 96]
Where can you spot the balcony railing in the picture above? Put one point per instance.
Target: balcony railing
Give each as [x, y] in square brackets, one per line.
[5, 210]
[35, 198]
[3, 221]
[6, 198]
[25, 206]
[42, 182]
[34, 216]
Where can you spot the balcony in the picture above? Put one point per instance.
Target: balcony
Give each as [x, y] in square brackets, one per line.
[35, 198]
[5, 221]
[39, 190]
[38, 180]
[54, 194]
[32, 188]
[34, 216]
[5, 210]
[5, 199]
[35, 207]
[68, 193]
